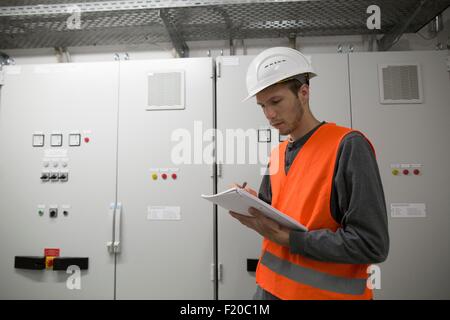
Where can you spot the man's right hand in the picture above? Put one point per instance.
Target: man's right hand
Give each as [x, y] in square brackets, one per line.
[248, 189]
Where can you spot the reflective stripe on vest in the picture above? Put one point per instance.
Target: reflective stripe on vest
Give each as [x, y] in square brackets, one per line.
[313, 277]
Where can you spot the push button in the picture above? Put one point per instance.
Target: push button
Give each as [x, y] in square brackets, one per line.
[53, 212]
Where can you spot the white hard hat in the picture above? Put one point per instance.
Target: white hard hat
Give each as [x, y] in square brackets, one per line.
[274, 65]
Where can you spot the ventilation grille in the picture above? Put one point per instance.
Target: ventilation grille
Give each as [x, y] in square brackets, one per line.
[166, 90]
[400, 84]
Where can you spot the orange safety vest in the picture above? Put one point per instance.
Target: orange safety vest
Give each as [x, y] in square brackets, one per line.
[305, 194]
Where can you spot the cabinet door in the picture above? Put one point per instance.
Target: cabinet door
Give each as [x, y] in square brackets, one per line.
[409, 136]
[166, 108]
[42, 105]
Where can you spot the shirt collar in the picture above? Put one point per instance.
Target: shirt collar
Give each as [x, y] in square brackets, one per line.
[302, 140]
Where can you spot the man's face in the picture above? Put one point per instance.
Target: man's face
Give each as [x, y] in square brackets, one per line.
[281, 107]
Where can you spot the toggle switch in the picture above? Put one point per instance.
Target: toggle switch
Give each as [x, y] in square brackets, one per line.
[63, 176]
[45, 176]
[54, 176]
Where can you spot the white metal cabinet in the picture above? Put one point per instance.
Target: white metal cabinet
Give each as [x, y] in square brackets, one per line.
[166, 252]
[410, 134]
[57, 99]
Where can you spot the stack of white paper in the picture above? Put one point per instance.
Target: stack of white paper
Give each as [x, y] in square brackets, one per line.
[239, 200]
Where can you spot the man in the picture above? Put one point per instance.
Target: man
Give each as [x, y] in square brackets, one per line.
[326, 177]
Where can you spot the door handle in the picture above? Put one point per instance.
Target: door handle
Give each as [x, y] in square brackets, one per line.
[109, 244]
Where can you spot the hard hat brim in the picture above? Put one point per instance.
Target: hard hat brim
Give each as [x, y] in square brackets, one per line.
[255, 92]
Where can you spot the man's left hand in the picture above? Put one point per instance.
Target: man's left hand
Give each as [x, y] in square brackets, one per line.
[264, 226]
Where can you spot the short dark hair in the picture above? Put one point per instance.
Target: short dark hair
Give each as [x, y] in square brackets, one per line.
[296, 83]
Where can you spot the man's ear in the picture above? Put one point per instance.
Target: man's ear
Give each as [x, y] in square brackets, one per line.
[303, 91]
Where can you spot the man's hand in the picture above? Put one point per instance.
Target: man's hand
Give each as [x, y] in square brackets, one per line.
[248, 189]
[264, 226]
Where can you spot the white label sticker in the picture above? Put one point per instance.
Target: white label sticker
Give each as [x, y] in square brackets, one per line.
[42, 69]
[163, 213]
[230, 61]
[408, 210]
[55, 153]
[13, 70]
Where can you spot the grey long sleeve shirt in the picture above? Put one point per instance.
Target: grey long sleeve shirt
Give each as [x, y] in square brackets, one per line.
[357, 205]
